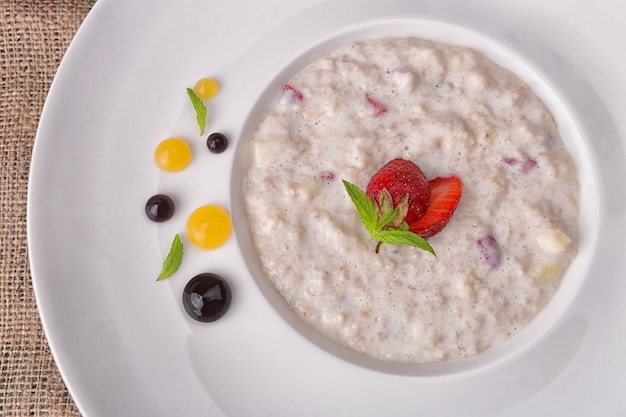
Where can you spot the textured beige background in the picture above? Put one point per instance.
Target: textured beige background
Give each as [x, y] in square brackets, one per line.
[34, 35]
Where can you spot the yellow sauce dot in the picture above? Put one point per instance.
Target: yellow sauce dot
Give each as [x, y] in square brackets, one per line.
[208, 227]
[206, 88]
[172, 155]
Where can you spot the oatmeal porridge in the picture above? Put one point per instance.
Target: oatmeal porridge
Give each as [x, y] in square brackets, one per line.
[451, 111]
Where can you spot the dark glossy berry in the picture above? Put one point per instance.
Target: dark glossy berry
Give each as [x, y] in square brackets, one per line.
[206, 297]
[217, 142]
[160, 208]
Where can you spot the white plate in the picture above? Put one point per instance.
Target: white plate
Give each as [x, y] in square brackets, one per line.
[123, 342]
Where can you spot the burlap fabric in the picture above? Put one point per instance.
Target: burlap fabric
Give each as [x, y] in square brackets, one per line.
[34, 35]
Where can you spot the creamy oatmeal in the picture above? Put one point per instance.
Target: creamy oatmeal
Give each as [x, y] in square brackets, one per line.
[451, 111]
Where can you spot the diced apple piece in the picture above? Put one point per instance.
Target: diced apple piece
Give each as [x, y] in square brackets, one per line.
[554, 240]
[548, 273]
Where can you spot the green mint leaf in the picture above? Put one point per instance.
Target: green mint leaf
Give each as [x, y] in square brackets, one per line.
[387, 218]
[364, 206]
[200, 108]
[173, 260]
[403, 237]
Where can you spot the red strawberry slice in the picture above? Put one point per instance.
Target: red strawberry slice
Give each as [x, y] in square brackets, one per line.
[401, 177]
[444, 197]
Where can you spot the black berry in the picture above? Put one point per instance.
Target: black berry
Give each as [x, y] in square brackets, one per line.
[160, 208]
[206, 297]
[217, 142]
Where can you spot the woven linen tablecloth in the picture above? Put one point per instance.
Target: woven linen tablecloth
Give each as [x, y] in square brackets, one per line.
[34, 35]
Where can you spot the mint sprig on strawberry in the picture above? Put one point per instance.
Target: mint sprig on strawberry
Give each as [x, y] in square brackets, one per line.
[401, 207]
[380, 228]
